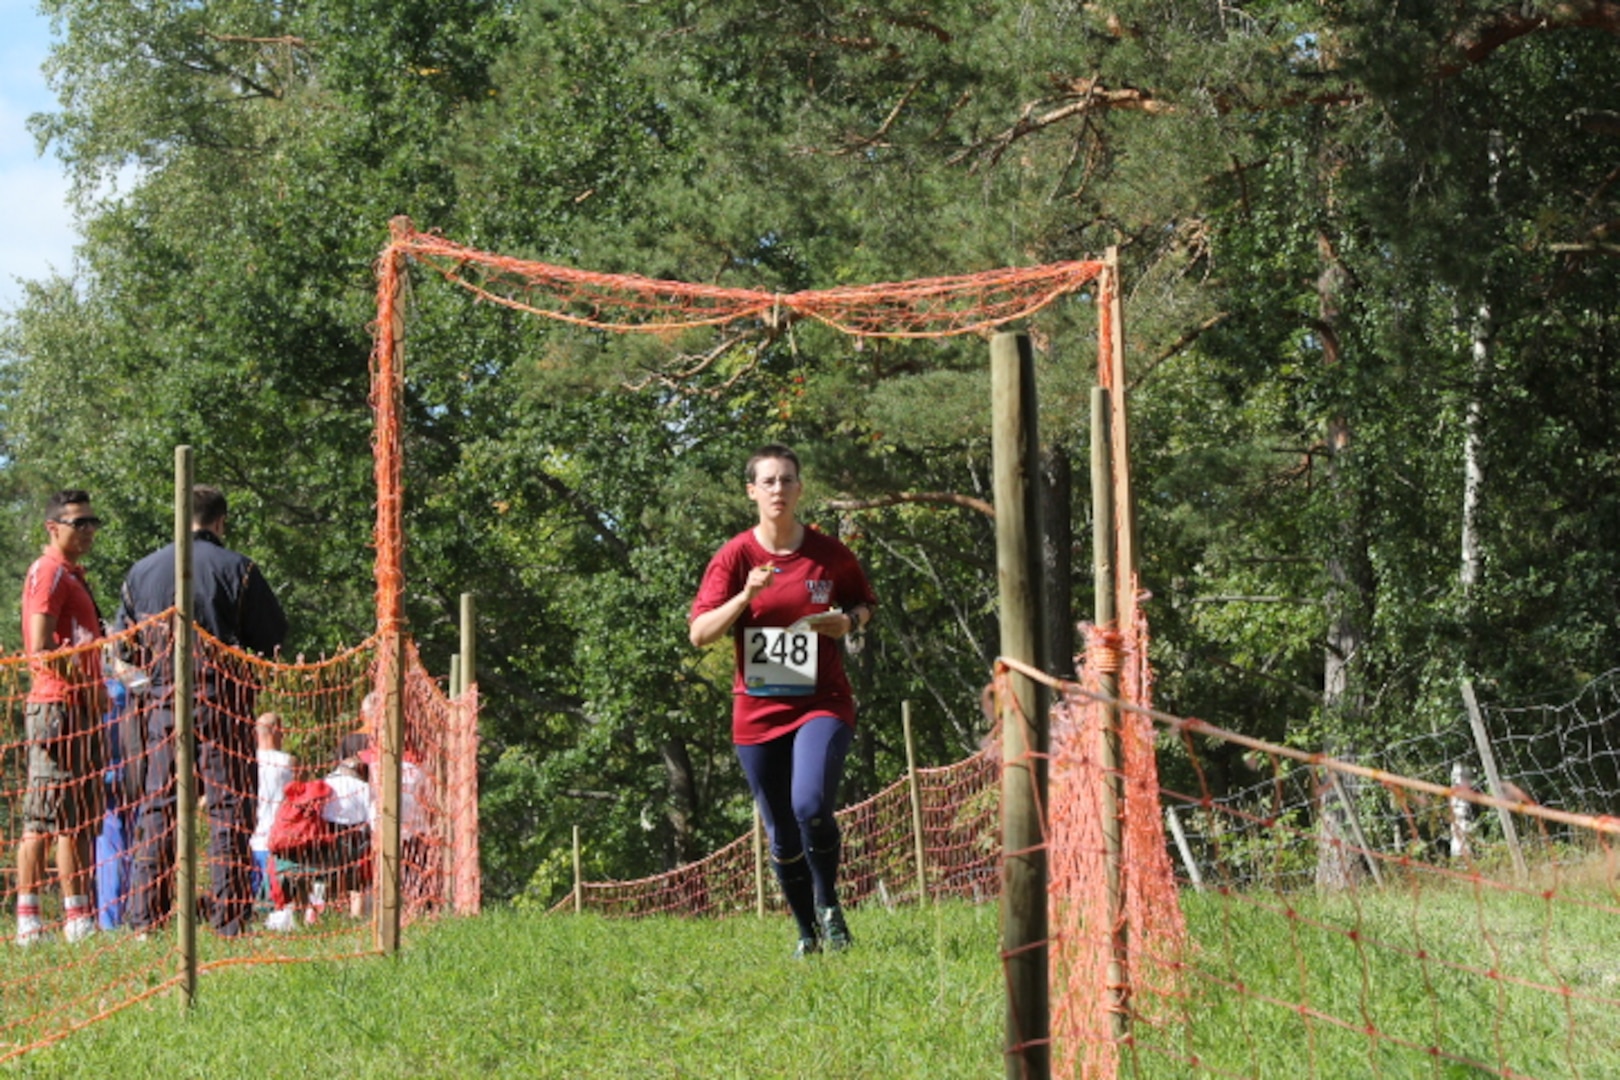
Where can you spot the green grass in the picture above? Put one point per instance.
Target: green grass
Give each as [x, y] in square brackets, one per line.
[513, 994]
[1478, 976]
[520, 994]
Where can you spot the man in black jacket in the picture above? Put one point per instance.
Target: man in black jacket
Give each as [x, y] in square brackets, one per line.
[234, 604]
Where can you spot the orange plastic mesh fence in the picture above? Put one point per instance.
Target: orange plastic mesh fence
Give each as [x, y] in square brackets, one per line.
[1428, 958]
[925, 308]
[439, 818]
[316, 902]
[959, 803]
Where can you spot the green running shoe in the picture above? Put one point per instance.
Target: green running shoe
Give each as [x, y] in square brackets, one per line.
[808, 946]
[833, 929]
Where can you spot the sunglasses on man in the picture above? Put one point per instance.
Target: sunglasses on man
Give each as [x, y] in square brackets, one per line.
[88, 522]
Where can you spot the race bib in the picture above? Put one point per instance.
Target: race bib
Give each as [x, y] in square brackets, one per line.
[779, 662]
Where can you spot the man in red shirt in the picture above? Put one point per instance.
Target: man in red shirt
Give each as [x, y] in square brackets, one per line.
[65, 701]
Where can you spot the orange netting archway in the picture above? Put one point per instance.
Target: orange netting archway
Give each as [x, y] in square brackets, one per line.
[937, 307]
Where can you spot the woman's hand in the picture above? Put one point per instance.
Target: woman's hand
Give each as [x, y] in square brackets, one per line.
[713, 625]
[758, 578]
[834, 624]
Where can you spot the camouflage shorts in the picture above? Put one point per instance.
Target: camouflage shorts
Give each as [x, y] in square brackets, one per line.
[64, 768]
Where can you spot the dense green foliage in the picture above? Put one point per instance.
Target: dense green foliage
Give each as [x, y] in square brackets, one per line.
[1354, 237]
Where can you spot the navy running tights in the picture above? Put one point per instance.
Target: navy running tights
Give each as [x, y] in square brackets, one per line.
[795, 778]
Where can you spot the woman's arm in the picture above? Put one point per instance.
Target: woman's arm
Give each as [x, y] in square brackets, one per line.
[716, 623]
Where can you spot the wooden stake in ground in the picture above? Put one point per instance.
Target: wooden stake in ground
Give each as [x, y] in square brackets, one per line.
[1025, 951]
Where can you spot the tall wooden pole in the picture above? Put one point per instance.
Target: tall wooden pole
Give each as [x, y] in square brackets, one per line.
[1119, 435]
[919, 839]
[579, 876]
[184, 706]
[469, 641]
[468, 881]
[1057, 545]
[1105, 613]
[456, 751]
[1015, 448]
[758, 834]
[388, 839]
[1487, 757]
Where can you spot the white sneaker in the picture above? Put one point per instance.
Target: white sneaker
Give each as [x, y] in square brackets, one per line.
[30, 930]
[77, 929]
[280, 920]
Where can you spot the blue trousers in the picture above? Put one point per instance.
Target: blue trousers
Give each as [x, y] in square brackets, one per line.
[112, 868]
[795, 780]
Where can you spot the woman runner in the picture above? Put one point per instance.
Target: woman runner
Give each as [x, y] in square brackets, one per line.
[785, 594]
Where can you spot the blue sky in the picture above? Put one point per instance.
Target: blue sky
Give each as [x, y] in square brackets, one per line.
[38, 236]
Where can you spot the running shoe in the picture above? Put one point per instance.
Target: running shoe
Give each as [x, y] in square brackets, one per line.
[834, 931]
[30, 930]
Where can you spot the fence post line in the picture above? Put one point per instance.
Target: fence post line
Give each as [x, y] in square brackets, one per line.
[1173, 819]
[1106, 615]
[1015, 446]
[392, 738]
[1487, 757]
[1353, 816]
[915, 787]
[759, 864]
[579, 880]
[184, 706]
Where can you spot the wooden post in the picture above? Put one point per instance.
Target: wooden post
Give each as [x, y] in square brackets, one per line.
[579, 877]
[1105, 614]
[915, 787]
[1119, 433]
[455, 751]
[1057, 558]
[1353, 817]
[1172, 819]
[759, 864]
[469, 642]
[468, 887]
[388, 838]
[1015, 449]
[1487, 757]
[184, 706]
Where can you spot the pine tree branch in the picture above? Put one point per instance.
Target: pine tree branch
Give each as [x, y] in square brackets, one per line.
[947, 497]
[1088, 96]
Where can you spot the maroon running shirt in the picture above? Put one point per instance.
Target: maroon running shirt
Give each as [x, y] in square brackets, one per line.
[777, 687]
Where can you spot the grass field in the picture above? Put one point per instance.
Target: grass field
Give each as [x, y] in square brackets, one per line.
[1357, 985]
[513, 994]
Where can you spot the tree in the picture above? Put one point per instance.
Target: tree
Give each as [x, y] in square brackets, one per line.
[1309, 218]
